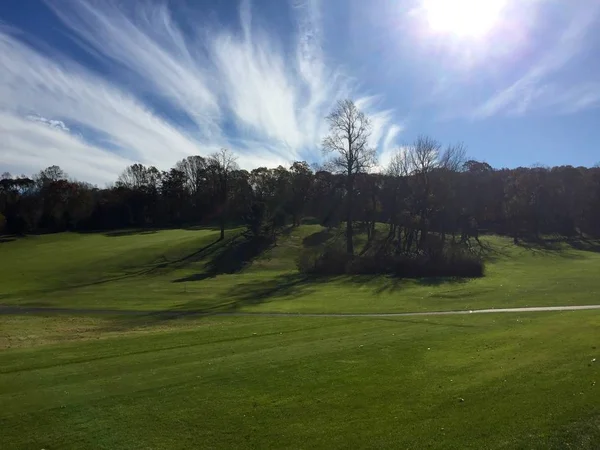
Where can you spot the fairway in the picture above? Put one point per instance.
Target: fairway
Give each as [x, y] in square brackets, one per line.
[169, 270]
[494, 381]
[154, 379]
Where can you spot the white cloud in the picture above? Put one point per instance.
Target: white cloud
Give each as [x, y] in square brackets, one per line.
[34, 84]
[389, 148]
[538, 88]
[242, 91]
[58, 124]
[146, 42]
[32, 145]
[383, 130]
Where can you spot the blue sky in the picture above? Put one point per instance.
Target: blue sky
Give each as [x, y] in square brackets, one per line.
[96, 85]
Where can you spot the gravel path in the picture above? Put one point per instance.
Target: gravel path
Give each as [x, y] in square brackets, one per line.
[17, 310]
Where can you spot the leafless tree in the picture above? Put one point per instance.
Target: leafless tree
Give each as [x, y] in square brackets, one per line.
[349, 131]
[194, 168]
[423, 155]
[399, 165]
[220, 166]
[138, 176]
[453, 158]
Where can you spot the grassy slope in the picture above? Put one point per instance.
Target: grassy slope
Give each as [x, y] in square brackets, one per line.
[527, 380]
[247, 382]
[167, 270]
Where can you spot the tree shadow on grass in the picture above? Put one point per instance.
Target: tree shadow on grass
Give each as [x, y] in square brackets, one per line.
[548, 247]
[585, 244]
[438, 281]
[284, 287]
[318, 238]
[488, 252]
[130, 232]
[234, 256]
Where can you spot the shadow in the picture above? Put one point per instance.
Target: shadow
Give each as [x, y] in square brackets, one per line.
[5, 239]
[391, 284]
[438, 281]
[145, 230]
[488, 252]
[556, 247]
[177, 263]
[548, 245]
[285, 286]
[131, 232]
[204, 227]
[318, 238]
[234, 256]
[585, 244]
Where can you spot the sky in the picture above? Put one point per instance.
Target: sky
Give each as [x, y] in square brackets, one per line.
[94, 86]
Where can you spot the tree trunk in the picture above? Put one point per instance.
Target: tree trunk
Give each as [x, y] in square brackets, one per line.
[349, 230]
[349, 243]
[223, 207]
[222, 225]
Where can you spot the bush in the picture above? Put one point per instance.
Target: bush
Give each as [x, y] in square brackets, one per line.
[455, 261]
[330, 260]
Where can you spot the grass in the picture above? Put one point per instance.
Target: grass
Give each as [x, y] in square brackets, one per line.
[172, 269]
[499, 381]
[527, 381]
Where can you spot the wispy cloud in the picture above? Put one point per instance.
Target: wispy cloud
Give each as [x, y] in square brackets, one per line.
[389, 147]
[540, 87]
[31, 145]
[171, 92]
[58, 124]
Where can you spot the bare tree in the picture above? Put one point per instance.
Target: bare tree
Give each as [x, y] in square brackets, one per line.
[423, 155]
[138, 176]
[349, 131]
[220, 166]
[453, 158]
[399, 165]
[194, 168]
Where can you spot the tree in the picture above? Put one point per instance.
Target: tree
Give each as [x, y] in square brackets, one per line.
[49, 175]
[301, 184]
[349, 131]
[220, 166]
[137, 176]
[424, 160]
[194, 169]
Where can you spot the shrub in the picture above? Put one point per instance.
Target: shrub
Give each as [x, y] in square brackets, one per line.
[330, 260]
[450, 263]
[454, 261]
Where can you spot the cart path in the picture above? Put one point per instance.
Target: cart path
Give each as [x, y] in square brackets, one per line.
[18, 310]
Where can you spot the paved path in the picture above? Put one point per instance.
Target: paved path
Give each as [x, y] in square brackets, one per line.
[16, 310]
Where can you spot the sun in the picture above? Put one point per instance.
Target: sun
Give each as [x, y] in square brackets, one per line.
[463, 18]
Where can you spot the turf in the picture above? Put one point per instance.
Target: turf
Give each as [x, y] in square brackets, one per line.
[170, 270]
[496, 381]
[482, 382]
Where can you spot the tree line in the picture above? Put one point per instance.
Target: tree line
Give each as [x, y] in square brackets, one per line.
[428, 192]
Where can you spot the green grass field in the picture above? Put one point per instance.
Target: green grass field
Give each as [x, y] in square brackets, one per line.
[497, 381]
[167, 270]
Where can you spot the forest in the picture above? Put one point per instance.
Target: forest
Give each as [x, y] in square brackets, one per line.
[428, 196]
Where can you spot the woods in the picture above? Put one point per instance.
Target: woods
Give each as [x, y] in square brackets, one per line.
[427, 190]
